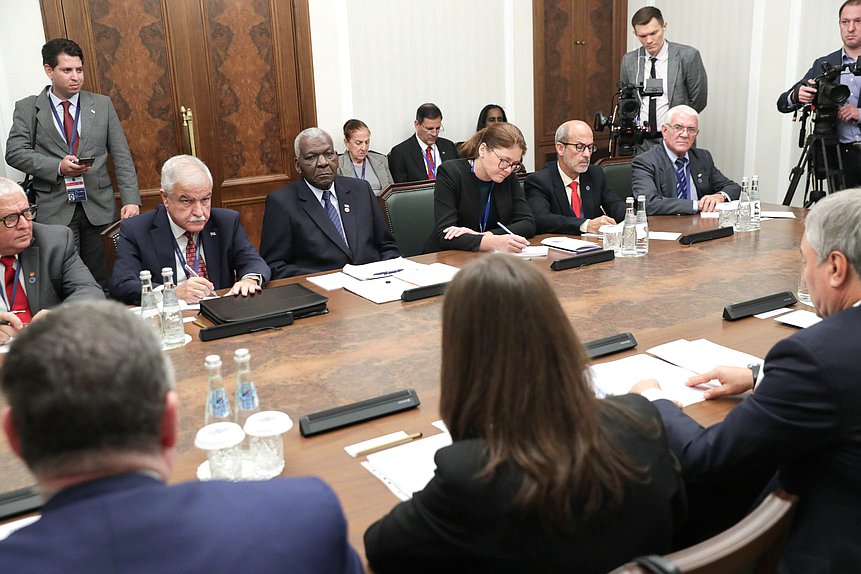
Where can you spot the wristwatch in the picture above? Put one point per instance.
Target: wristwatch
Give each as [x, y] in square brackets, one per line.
[754, 370]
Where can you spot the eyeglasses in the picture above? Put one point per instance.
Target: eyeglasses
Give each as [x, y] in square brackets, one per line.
[684, 129]
[433, 130]
[505, 164]
[580, 148]
[11, 220]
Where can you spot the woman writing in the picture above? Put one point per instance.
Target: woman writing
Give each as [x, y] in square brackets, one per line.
[476, 199]
[542, 476]
[359, 162]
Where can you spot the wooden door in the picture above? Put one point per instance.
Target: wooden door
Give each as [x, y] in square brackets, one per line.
[577, 50]
[243, 67]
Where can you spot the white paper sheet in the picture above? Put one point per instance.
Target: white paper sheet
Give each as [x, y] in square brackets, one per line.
[664, 235]
[617, 378]
[701, 355]
[407, 468]
[378, 269]
[802, 319]
[330, 281]
[570, 244]
[778, 214]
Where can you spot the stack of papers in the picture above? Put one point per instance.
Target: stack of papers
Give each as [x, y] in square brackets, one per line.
[570, 244]
[800, 318]
[407, 468]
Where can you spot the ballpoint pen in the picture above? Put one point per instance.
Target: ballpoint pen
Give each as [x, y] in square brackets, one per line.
[192, 273]
[505, 229]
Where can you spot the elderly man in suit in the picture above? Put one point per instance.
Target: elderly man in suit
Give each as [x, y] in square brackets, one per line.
[63, 137]
[100, 441]
[803, 416]
[570, 195]
[676, 177]
[41, 267]
[679, 69]
[322, 221]
[206, 247]
[417, 158]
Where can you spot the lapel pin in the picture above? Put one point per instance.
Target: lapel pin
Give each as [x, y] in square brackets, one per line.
[588, 188]
[92, 111]
[346, 208]
[212, 234]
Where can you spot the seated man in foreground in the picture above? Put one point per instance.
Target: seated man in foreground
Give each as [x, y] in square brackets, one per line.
[40, 265]
[322, 221]
[569, 195]
[676, 177]
[206, 247]
[804, 416]
[100, 441]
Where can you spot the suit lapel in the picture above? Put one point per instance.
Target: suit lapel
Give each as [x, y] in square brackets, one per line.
[697, 174]
[31, 276]
[669, 173]
[46, 119]
[348, 214]
[211, 242]
[315, 211]
[588, 198]
[162, 238]
[559, 193]
[88, 119]
[674, 67]
[418, 158]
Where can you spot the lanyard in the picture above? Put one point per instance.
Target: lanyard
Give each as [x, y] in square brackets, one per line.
[11, 302]
[482, 221]
[181, 256]
[430, 162]
[364, 164]
[74, 126]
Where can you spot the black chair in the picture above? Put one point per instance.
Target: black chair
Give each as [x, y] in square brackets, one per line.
[109, 237]
[618, 172]
[408, 208]
[751, 547]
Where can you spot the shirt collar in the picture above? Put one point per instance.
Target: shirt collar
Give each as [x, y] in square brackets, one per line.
[318, 193]
[566, 181]
[55, 101]
[671, 154]
[177, 230]
[423, 146]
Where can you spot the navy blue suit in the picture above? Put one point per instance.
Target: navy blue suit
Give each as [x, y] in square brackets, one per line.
[133, 524]
[546, 195]
[146, 242]
[804, 418]
[299, 238]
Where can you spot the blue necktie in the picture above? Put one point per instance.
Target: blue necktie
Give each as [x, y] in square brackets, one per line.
[681, 178]
[333, 215]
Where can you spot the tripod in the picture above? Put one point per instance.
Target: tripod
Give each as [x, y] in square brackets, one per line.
[823, 164]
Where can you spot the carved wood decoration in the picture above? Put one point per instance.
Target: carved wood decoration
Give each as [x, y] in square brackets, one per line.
[242, 66]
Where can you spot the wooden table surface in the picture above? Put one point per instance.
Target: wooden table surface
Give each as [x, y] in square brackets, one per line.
[361, 350]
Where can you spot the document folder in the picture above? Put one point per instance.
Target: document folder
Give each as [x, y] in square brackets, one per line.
[293, 298]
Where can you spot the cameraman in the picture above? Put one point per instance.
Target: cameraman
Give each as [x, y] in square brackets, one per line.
[849, 128]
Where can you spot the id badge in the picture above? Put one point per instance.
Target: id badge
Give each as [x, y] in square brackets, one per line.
[75, 190]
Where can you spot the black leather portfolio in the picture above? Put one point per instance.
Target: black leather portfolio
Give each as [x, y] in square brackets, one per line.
[293, 298]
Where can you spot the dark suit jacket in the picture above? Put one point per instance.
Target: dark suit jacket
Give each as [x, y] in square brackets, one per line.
[654, 176]
[53, 271]
[136, 524]
[298, 237]
[687, 82]
[549, 202]
[406, 160]
[834, 58]
[457, 202]
[40, 155]
[461, 524]
[804, 418]
[146, 242]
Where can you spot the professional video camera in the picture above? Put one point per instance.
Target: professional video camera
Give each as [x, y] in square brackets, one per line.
[625, 134]
[830, 95]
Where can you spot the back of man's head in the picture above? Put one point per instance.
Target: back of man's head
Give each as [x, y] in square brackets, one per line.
[832, 224]
[53, 48]
[87, 381]
[428, 112]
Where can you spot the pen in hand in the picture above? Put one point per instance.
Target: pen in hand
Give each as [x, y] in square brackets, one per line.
[191, 273]
[505, 229]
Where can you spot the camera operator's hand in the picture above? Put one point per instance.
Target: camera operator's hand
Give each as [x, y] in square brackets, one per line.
[806, 94]
[849, 113]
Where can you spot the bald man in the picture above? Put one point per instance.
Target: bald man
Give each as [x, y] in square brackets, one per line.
[569, 195]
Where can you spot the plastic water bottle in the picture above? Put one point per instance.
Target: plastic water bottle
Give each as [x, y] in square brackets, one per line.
[246, 402]
[642, 227]
[171, 314]
[755, 204]
[742, 219]
[217, 401]
[149, 308]
[629, 230]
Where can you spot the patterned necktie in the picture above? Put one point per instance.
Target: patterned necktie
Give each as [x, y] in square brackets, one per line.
[430, 162]
[681, 178]
[21, 303]
[575, 199]
[333, 215]
[653, 106]
[191, 255]
[69, 126]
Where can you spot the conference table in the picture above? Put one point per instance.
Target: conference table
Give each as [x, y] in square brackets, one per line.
[361, 350]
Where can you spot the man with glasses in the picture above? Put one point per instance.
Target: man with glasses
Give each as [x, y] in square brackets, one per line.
[206, 247]
[40, 264]
[849, 115]
[417, 158]
[322, 221]
[570, 195]
[676, 177]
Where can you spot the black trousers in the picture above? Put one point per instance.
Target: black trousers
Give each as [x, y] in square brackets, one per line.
[851, 156]
[88, 240]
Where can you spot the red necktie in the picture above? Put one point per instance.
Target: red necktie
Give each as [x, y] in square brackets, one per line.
[191, 254]
[430, 162]
[69, 126]
[21, 303]
[575, 199]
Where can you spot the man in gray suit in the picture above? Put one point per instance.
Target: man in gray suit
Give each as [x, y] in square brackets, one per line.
[40, 266]
[678, 67]
[677, 178]
[62, 137]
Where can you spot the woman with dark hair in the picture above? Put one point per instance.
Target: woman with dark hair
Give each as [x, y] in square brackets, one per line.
[542, 476]
[477, 198]
[359, 161]
[490, 114]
